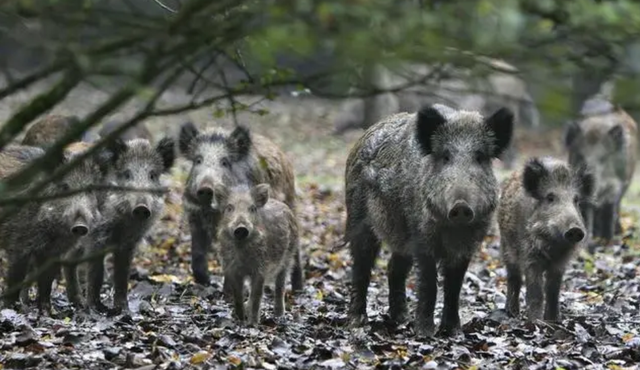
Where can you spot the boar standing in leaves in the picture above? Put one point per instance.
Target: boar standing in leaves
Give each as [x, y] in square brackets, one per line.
[433, 200]
[221, 159]
[607, 143]
[540, 228]
[258, 239]
[42, 231]
[127, 216]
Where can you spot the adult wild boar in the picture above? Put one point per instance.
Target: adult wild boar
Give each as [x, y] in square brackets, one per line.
[606, 141]
[432, 198]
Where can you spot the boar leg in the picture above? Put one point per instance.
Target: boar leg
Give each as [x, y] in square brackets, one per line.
[278, 306]
[297, 276]
[236, 283]
[16, 274]
[454, 272]
[427, 294]
[201, 240]
[587, 211]
[398, 270]
[70, 270]
[607, 221]
[552, 294]
[534, 296]
[95, 278]
[121, 270]
[364, 247]
[255, 299]
[45, 278]
[514, 285]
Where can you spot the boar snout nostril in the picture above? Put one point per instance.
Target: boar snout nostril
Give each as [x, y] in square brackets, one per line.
[141, 211]
[241, 232]
[80, 229]
[574, 235]
[205, 194]
[461, 213]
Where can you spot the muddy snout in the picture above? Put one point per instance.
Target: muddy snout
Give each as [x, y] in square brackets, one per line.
[141, 211]
[461, 213]
[574, 234]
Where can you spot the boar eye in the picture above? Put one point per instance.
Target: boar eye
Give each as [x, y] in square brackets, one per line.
[229, 208]
[446, 157]
[481, 157]
[253, 209]
[126, 175]
[576, 199]
[551, 197]
[153, 176]
[198, 160]
[64, 186]
[225, 163]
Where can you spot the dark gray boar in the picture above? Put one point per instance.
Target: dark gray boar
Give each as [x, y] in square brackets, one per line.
[258, 239]
[127, 216]
[138, 131]
[433, 200]
[540, 228]
[42, 231]
[222, 158]
[607, 143]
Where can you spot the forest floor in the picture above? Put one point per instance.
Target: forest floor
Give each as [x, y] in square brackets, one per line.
[175, 324]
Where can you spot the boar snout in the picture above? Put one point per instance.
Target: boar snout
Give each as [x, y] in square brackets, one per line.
[80, 229]
[205, 194]
[141, 211]
[574, 235]
[461, 213]
[241, 232]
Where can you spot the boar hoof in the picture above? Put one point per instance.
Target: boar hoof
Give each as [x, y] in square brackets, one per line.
[398, 318]
[357, 321]
[44, 309]
[425, 330]
[449, 331]
[100, 307]
[201, 278]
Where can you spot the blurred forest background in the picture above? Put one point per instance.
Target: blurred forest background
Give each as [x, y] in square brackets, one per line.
[310, 75]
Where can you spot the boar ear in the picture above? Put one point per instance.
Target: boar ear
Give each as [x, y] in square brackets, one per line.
[587, 182]
[188, 133]
[427, 123]
[260, 194]
[571, 133]
[500, 124]
[165, 148]
[239, 142]
[616, 133]
[534, 172]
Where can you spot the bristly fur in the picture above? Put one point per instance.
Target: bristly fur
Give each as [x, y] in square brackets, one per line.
[606, 141]
[266, 253]
[539, 207]
[138, 164]
[402, 179]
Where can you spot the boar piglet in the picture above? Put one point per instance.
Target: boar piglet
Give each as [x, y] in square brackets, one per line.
[540, 228]
[423, 182]
[607, 143]
[220, 159]
[258, 239]
[127, 215]
[42, 231]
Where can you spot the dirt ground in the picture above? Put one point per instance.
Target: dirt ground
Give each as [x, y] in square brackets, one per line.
[176, 324]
